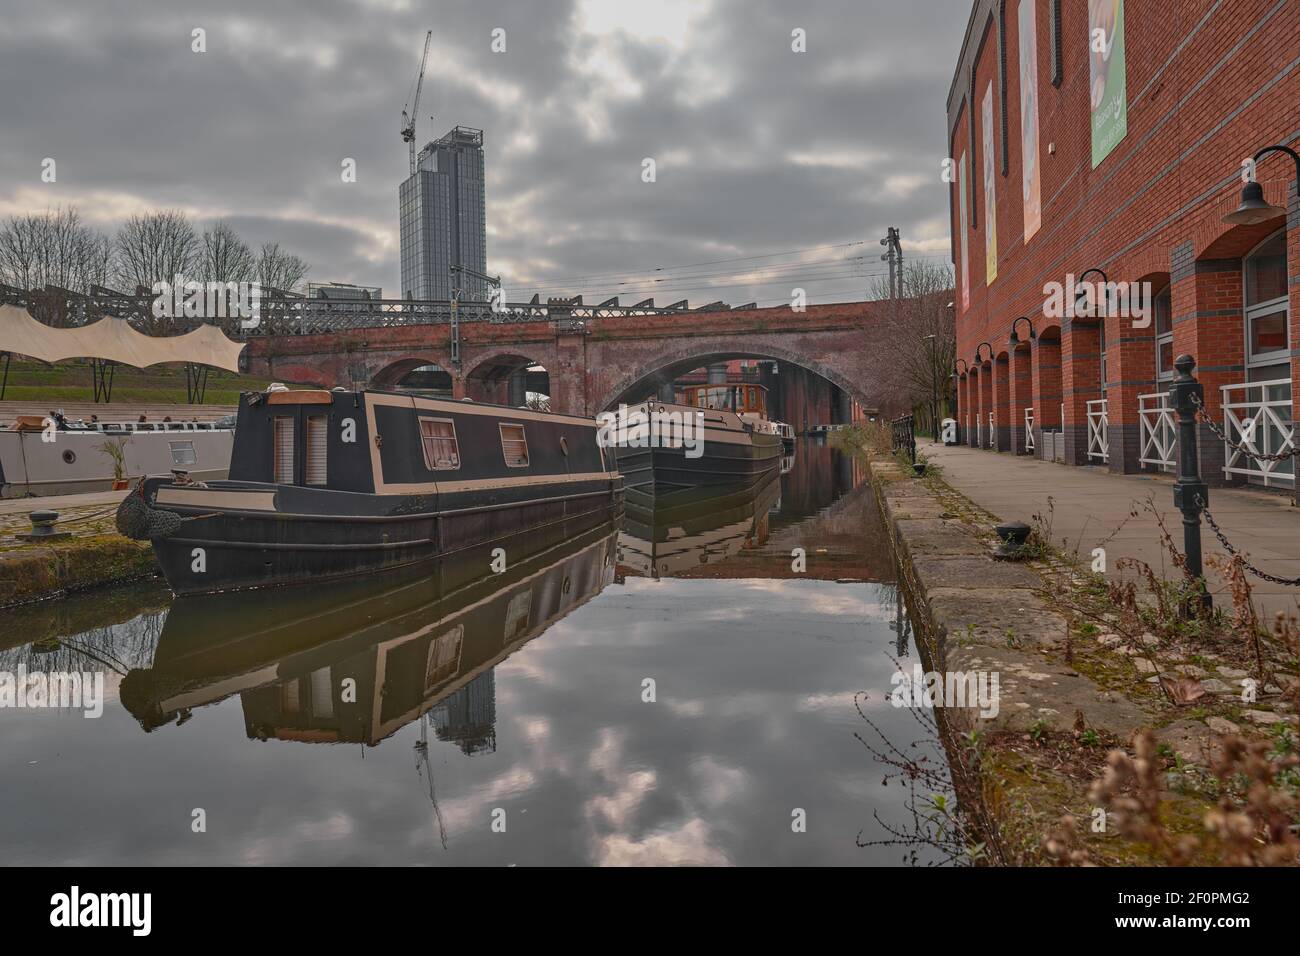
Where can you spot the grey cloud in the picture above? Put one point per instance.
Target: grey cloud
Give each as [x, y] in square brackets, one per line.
[256, 128]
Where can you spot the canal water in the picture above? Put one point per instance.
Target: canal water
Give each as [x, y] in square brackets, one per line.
[684, 688]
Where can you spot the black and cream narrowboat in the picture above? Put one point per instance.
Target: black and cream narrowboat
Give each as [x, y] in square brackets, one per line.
[715, 435]
[333, 484]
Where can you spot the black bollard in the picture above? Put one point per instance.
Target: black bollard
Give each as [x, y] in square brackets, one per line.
[1191, 494]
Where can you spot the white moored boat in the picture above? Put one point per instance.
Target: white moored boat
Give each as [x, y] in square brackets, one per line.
[48, 455]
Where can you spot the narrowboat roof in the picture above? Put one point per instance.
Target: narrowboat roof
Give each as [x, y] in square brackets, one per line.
[285, 396]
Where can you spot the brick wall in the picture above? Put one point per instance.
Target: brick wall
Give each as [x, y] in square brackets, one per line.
[1208, 83]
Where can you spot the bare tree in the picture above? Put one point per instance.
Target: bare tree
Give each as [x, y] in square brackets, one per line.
[156, 247]
[277, 269]
[97, 261]
[54, 249]
[917, 355]
[18, 251]
[226, 257]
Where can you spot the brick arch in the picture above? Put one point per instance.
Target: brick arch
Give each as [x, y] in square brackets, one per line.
[674, 362]
[1234, 242]
[485, 379]
[1145, 266]
[395, 371]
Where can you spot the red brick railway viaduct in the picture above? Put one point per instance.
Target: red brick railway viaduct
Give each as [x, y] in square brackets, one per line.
[607, 360]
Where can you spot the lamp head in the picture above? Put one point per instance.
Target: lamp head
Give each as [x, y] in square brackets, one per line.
[1253, 208]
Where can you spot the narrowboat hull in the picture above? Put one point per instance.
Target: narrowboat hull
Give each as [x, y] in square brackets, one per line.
[382, 502]
[728, 451]
[253, 536]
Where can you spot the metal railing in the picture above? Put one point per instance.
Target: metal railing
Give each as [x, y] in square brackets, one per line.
[1098, 429]
[1158, 431]
[903, 436]
[284, 313]
[1257, 418]
[1029, 430]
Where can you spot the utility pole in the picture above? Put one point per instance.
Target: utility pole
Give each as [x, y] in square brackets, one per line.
[894, 256]
[456, 272]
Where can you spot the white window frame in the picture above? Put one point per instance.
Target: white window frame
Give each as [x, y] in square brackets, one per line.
[1164, 375]
[523, 436]
[174, 446]
[1101, 366]
[1251, 312]
[429, 462]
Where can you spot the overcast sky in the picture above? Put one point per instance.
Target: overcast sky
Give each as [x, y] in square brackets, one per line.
[759, 149]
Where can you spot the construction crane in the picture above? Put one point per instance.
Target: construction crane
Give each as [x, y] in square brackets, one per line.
[408, 119]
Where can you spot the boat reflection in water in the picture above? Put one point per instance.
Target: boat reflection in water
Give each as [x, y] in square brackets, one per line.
[690, 527]
[356, 662]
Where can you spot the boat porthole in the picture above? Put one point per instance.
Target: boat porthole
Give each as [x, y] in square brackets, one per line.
[69, 456]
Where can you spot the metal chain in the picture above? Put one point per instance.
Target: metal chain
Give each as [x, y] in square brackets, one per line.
[1208, 422]
[1218, 533]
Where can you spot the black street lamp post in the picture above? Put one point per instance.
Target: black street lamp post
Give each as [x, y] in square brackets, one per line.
[1191, 494]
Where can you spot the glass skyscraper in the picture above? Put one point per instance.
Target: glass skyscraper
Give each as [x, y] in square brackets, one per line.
[443, 218]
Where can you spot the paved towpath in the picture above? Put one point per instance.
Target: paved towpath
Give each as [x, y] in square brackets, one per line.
[1090, 503]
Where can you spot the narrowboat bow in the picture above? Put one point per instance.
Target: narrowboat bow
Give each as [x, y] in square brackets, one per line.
[332, 484]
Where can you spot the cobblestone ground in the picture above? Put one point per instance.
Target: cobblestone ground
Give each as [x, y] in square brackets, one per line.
[83, 515]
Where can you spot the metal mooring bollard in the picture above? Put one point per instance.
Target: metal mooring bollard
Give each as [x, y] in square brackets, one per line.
[43, 528]
[1191, 494]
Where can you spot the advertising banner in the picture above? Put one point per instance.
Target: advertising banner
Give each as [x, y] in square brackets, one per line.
[1030, 181]
[990, 194]
[1109, 95]
[965, 232]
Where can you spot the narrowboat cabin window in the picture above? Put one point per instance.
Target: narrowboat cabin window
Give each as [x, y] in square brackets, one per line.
[283, 460]
[729, 398]
[514, 446]
[317, 440]
[438, 437]
[444, 658]
[183, 453]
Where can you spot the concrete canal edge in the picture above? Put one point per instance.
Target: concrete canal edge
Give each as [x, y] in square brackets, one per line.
[972, 613]
[31, 573]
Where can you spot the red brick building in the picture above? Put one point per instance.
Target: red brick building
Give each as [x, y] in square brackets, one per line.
[1109, 135]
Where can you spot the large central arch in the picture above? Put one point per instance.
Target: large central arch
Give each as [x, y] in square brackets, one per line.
[671, 364]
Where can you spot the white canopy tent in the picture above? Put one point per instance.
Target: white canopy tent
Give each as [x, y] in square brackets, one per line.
[110, 342]
[114, 340]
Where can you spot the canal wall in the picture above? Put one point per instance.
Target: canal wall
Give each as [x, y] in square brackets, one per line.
[973, 613]
[31, 573]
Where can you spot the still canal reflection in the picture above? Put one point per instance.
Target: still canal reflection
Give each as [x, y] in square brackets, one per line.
[463, 716]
